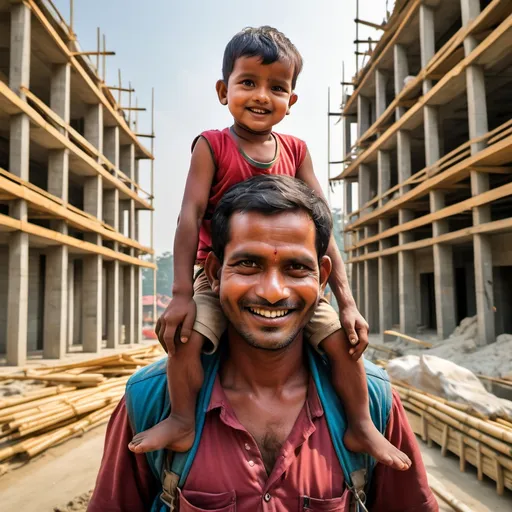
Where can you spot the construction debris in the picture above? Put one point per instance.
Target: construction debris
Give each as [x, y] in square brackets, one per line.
[74, 399]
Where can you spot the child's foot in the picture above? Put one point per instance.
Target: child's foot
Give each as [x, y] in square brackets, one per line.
[172, 433]
[365, 438]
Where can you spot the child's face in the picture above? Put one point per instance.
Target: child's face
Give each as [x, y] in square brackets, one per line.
[258, 96]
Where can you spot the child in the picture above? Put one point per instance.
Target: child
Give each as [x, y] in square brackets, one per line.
[260, 69]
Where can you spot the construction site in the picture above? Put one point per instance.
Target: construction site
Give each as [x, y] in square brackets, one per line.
[70, 198]
[426, 227]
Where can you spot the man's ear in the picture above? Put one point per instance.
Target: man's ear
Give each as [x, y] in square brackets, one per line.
[212, 268]
[222, 92]
[291, 102]
[325, 271]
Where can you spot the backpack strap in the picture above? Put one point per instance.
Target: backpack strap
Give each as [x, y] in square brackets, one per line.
[357, 467]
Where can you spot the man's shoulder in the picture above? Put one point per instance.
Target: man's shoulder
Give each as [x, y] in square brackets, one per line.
[150, 373]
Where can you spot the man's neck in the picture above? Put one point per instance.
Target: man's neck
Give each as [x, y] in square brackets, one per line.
[254, 370]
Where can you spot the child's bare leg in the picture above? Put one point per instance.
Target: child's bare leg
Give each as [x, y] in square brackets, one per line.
[184, 378]
[349, 381]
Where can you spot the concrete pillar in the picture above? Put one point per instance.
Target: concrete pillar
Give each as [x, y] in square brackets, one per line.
[19, 146]
[113, 304]
[138, 305]
[94, 126]
[385, 282]
[380, 92]
[364, 186]
[427, 41]
[404, 158]
[431, 130]
[347, 196]
[444, 277]
[383, 175]
[371, 283]
[127, 160]
[478, 125]
[401, 71]
[363, 115]
[71, 302]
[347, 139]
[129, 303]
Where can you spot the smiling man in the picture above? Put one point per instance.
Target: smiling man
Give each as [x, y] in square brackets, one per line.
[266, 443]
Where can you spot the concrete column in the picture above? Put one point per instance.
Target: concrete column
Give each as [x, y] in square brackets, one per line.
[401, 71]
[383, 175]
[347, 139]
[127, 159]
[113, 305]
[71, 302]
[138, 305]
[380, 92]
[94, 126]
[427, 41]
[371, 283]
[431, 130]
[364, 186]
[129, 303]
[19, 144]
[385, 283]
[347, 197]
[478, 125]
[363, 115]
[404, 158]
[444, 277]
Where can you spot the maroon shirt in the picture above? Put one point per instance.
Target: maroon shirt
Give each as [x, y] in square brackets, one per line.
[228, 473]
[231, 168]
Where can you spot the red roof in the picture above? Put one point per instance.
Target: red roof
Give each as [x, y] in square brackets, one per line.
[161, 300]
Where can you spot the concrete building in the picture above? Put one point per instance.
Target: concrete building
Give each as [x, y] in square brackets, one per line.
[70, 267]
[432, 160]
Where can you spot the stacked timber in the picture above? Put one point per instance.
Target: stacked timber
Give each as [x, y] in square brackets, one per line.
[482, 442]
[71, 399]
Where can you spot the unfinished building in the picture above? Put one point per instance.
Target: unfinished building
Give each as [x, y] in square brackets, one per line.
[429, 235]
[70, 259]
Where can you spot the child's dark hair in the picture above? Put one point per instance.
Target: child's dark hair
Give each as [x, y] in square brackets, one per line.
[265, 42]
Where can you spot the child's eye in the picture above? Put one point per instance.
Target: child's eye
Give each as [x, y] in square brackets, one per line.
[278, 88]
[248, 83]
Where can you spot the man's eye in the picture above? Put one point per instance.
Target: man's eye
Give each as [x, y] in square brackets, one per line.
[247, 264]
[298, 267]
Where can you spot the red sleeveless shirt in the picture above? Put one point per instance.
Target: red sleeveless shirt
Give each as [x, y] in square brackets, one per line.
[231, 167]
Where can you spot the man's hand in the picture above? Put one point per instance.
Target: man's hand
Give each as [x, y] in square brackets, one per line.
[181, 311]
[356, 328]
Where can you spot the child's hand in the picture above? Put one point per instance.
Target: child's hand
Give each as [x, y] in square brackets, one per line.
[181, 311]
[356, 328]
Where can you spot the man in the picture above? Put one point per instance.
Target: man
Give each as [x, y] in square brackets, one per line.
[265, 443]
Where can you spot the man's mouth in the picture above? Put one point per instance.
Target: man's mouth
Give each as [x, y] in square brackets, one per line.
[261, 111]
[269, 313]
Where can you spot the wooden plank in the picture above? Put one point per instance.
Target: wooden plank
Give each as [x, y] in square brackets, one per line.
[58, 209]
[454, 209]
[59, 238]
[427, 98]
[84, 75]
[453, 237]
[64, 142]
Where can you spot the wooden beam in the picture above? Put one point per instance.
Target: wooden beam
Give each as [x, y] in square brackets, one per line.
[64, 142]
[370, 24]
[454, 209]
[492, 169]
[92, 53]
[54, 206]
[448, 238]
[85, 76]
[58, 238]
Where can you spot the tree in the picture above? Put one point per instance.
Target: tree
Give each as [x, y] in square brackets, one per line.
[164, 275]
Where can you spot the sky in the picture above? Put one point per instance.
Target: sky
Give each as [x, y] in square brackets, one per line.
[177, 48]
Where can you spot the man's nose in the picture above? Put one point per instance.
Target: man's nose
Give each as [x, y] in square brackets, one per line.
[272, 287]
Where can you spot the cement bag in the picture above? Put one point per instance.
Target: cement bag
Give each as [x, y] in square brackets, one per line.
[447, 380]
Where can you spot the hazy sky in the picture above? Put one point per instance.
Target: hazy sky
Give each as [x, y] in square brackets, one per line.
[177, 48]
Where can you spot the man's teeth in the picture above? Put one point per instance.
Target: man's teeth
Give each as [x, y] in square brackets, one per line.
[274, 313]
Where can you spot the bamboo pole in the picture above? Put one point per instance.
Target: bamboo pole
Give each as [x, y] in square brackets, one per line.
[447, 497]
[416, 341]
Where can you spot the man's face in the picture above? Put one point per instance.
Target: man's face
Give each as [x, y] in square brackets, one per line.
[270, 281]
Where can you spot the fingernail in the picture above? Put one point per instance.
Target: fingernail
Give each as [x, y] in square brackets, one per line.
[184, 339]
[353, 341]
[351, 352]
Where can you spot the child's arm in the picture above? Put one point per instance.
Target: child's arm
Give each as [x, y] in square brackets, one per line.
[181, 310]
[352, 321]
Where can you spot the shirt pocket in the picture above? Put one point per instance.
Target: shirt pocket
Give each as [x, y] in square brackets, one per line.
[341, 504]
[197, 501]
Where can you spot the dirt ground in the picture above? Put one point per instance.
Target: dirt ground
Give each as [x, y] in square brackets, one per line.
[61, 479]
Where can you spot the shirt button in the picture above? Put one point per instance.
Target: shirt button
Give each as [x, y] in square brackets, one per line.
[267, 497]
[251, 463]
[247, 446]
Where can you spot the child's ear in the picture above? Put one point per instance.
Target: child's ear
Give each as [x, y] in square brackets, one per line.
[222, 92]
[293, 100]
[212, 269]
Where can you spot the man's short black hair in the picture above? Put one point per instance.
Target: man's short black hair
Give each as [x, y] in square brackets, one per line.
[270, 195]
[265, 42]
